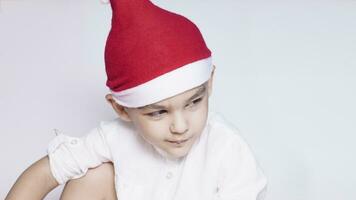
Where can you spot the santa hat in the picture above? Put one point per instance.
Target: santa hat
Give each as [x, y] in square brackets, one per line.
[152, 54]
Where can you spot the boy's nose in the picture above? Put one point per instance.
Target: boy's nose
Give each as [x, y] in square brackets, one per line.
[179, 124]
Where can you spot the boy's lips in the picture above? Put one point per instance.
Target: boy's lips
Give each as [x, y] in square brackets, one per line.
[178, 141]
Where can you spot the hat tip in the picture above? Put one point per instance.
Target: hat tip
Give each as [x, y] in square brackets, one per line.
[105, 1]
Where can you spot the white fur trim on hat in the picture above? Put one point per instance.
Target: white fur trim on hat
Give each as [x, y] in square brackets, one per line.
[166, 85]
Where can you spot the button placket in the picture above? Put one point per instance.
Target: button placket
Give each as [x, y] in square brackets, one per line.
[74, 141]
[169, 175]
[172, 169]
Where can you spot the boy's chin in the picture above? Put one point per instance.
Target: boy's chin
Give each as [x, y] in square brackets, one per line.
[178, 153]
[176, 156]
[173, 154]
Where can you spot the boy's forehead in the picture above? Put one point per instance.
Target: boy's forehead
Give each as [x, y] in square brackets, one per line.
[186, 96]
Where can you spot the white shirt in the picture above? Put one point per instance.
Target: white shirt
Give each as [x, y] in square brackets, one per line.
[219, 166]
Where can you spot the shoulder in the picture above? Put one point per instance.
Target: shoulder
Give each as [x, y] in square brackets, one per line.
[116, 130]
[121, 135]
[237, 155]
[223, 131]
[226, 139]
[115, 125]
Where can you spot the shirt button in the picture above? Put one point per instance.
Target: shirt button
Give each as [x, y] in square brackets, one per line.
[74, 142]
[217, 190]
[169, 175]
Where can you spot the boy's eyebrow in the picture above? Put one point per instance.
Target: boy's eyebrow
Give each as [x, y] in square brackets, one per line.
[160, 107]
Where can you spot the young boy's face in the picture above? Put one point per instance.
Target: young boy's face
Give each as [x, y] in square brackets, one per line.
[174, 124]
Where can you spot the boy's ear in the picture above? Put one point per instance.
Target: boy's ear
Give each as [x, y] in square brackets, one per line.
[210, 82]
[119, 109]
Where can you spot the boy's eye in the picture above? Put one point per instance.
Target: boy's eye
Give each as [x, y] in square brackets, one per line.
[194, 102]
[156, 113]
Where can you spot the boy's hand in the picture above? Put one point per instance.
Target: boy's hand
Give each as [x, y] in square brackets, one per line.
[34, 183]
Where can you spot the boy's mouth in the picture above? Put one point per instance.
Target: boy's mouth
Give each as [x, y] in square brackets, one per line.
[178, 141]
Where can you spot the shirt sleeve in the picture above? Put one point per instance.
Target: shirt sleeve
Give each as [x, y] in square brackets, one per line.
[241, 177]
[71, 157]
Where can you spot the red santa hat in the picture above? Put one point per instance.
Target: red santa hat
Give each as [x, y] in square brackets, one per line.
[152, 54]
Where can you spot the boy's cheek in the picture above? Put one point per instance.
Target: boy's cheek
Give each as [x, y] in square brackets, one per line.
[201, 114]
[154, 131]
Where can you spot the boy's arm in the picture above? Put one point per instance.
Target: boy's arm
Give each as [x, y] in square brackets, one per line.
[71, 157]
[34, 183]
[68, 158]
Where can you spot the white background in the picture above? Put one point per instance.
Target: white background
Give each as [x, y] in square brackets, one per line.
[286, 77]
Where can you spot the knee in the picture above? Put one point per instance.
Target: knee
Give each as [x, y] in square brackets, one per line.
[102, 174]
[98, 183]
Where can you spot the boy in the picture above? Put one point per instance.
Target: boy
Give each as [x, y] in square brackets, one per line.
[165, 143]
